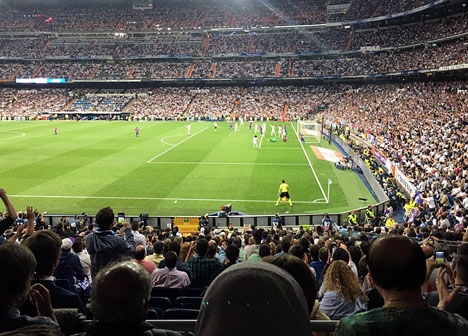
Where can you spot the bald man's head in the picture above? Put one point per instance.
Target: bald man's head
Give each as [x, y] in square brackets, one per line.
[140, 252]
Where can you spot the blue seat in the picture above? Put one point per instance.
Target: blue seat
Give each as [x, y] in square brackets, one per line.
[154, 314]
[171, 293]
[181, 314]
[63, 283]
[160, 302]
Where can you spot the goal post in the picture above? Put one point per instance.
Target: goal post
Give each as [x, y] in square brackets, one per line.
[310, 130]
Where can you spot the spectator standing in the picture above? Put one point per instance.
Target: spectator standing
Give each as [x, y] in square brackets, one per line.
[104, 245]
[139, 238]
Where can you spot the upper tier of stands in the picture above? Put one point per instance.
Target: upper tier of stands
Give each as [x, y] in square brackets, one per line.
[183, 14]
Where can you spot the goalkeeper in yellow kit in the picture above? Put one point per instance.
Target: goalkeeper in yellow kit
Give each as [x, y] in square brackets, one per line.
[283, 191]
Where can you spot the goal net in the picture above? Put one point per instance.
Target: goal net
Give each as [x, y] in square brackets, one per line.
[310, 130]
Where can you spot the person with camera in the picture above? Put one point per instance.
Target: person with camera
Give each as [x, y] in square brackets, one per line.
[104, 245]
[452, 285]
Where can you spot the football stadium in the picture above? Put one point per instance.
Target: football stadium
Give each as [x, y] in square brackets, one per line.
[228, 159]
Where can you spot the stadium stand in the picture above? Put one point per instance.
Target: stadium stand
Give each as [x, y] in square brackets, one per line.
[388, 78]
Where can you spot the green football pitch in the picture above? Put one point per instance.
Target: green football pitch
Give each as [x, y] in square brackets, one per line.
[167, 172]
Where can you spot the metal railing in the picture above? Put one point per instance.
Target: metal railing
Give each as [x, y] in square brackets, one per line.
[186, 326]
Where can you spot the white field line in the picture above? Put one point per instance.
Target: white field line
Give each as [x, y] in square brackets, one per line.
[163, 140]
[310, 164]
[281, 148]
[174, 146]
[21, 134]
[261, 140]
[230, 163]
[149, 198]
[27, 125]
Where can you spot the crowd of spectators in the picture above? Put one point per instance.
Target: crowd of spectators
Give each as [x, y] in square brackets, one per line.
[197, 43]
[183, 14]
[362, 9]
[368, 63]
[420, 32]
[336, 274]
[206, 54]
[172, 15]
[353, 103]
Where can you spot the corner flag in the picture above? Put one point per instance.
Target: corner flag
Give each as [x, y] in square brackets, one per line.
[330, 181]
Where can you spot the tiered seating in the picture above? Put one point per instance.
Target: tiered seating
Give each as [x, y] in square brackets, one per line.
[175, 303]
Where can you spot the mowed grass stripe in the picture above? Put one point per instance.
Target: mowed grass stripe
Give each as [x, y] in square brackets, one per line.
[144, 198]
[104, 162]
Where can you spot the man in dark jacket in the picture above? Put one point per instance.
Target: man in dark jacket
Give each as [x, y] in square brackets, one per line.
[69, 266]
[104, 245]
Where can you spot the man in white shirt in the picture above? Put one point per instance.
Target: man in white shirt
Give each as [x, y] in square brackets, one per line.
[169, 276]
[137, 236]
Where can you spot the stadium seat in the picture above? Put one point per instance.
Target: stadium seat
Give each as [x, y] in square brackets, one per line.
[155, 314]
[63, 283]
[160, 302]
[188, 302]
[194, 291]
[171, 293]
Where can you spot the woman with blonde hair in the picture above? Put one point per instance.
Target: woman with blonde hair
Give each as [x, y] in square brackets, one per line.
[465, 237]
[343, 294]
[272, 248]
[184, 250]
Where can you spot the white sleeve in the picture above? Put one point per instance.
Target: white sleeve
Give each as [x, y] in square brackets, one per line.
[353, 268]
